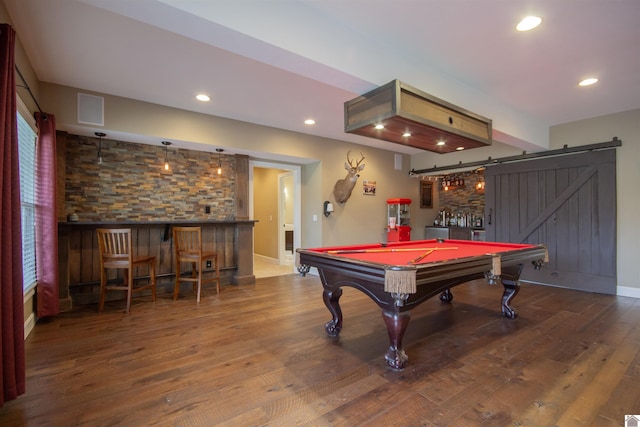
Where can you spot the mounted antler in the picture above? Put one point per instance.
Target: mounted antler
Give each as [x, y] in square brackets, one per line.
[343, 187]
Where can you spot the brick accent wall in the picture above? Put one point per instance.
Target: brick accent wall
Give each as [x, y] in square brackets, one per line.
[464, 199]
[131, 183]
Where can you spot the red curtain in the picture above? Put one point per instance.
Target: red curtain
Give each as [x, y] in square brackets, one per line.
[48, 301]
[12, 368]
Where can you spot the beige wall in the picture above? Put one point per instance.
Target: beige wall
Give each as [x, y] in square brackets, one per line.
[361, 219]
[311, 235]
[24, 65]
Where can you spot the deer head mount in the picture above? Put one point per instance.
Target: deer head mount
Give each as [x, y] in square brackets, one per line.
[343, 187]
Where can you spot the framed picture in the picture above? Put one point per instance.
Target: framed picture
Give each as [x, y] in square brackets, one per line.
[369, 188]
[426, 194]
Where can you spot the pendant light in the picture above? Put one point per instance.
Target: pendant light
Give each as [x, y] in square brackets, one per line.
[100, 135]
[219, 150]
[166, 154]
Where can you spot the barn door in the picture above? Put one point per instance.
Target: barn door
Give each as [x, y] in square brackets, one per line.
[567, 203]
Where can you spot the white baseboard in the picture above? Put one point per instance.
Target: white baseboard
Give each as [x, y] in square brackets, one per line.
[625, 291]
[29, 324]
[266, 259]
[29, 305]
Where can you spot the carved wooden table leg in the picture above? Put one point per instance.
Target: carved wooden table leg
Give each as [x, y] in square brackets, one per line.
[510, 280]
[396, 326]
[331, 298]
[511, 288]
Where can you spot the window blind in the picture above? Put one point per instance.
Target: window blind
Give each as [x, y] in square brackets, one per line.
[27, 159]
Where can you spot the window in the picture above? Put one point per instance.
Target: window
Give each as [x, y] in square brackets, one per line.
[27, 146]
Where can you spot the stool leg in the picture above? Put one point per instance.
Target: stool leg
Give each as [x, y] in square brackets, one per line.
[215, 259]
[103, 289]
[176, 287]
[193, 274]
[199, 282]
[152, 275]
[128, 278]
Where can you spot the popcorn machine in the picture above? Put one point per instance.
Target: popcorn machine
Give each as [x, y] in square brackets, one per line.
[398, 229]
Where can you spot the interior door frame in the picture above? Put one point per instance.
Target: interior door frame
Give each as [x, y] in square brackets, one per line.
[297, 204]
[282, 253]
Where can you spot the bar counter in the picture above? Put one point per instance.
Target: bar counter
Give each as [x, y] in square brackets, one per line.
[79, 262]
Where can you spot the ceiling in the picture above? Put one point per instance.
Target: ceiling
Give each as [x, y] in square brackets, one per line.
[278, 62]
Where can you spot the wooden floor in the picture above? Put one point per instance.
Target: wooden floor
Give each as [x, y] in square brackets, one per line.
[258, 355]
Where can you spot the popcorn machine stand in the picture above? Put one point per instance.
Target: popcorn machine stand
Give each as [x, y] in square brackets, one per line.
[398, 229]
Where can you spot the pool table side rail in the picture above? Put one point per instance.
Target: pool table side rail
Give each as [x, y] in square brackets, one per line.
[424, 273]
[356, 268]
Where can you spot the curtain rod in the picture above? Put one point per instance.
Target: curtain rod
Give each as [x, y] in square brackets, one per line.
[26, 86]
[615, 142]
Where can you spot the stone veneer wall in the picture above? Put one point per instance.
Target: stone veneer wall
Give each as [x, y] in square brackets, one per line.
[466, 199]
[131, 183]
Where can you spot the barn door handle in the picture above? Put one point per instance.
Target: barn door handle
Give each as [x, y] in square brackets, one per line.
[489, 219]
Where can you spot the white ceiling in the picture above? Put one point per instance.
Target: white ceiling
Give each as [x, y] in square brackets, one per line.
[277, 62]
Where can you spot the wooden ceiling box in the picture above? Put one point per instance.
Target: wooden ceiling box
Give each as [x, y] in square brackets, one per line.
[403, 110]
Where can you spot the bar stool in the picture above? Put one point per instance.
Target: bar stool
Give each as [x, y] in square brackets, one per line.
[116, 253]
[187, 244]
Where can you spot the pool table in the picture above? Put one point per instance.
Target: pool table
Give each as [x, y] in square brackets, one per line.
[399, 276]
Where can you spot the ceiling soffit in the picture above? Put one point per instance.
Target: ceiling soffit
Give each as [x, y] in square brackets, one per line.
[399, 113]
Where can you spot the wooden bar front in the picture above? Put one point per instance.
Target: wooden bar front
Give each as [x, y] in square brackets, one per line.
[80, 266]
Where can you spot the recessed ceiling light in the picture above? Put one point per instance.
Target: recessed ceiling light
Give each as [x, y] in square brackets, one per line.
[203, 97]
[440, 143]
[379, 126]
[459, 148]
[588, 82]
[309, 122]
[406, 134]
[528, 23]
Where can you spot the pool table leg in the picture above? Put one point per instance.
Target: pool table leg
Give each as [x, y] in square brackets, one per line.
[396, 326]
[303, 269]
[510, 279]
[331, 298]
[446, 296]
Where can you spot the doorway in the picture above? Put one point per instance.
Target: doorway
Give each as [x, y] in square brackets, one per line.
[275, 203]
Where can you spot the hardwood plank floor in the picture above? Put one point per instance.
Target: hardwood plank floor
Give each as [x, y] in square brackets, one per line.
[258, 355]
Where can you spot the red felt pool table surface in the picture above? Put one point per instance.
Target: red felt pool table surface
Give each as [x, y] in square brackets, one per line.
[403, 253]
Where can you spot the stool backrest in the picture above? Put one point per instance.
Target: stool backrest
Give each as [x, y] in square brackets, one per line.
[188, 242]
[115, 247]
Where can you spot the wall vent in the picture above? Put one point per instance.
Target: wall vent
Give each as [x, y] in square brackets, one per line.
[90, 109]
[397, 161]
